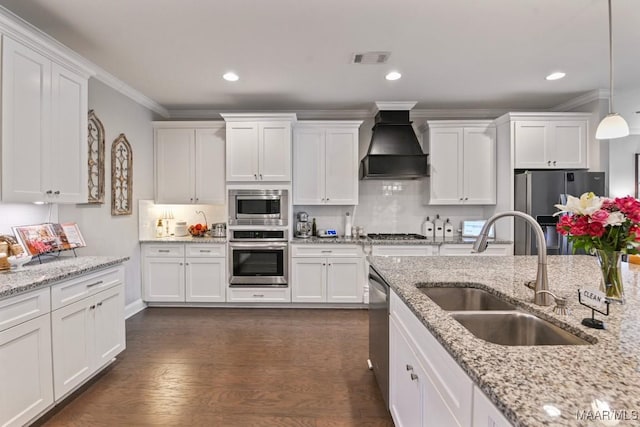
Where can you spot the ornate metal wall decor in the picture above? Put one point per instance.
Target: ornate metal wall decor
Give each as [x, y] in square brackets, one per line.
[96, 159]
[121, 176]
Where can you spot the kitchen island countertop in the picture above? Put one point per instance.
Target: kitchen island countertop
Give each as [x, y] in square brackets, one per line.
[534, 385]
[457, 240]
[53, 270]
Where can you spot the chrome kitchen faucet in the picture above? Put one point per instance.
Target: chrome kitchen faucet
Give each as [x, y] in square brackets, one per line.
[542, 282]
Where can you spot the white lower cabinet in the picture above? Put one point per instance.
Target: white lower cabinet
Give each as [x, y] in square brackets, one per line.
[184, 272]
[485, 414]
[86, 335]
[337, 278]
[25, 371]
[426, 385]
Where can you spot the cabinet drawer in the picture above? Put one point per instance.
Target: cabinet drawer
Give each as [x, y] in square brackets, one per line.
[453, 384]
[258, 295]
[466, 249]
[168, 250]
[403, 250]
[74, 290]
[322, 250]
[19, 309]
[199, 250]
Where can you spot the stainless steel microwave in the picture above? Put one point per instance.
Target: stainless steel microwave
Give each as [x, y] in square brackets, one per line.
[258, 207]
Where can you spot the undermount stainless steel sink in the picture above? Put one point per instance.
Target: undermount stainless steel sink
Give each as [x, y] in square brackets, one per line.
[492, 319]
[515, 328]
[463, 299]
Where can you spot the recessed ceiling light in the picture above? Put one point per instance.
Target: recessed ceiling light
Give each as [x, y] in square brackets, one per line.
[394, 75]
[230, 76]
[556, 76]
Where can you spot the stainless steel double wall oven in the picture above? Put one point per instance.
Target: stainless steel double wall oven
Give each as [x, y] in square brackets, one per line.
[259, 253]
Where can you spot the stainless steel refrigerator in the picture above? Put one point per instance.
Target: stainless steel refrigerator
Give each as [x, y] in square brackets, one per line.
[537, 193]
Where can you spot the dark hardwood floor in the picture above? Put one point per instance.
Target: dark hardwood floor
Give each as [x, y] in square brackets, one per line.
[235, 367]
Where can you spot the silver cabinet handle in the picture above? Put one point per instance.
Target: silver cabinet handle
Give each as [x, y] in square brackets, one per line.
[466, 198]
[323, 264]
[197, 199]
[191, 199]
[255, 176]
[414, 377]
[409, 368]
[205, 250]
[258, 295]
[99, 282]
[181, 264]
[260, 176]
[100, 304]
[554, 163]
[57, 192]
[327, 199]
[326, 252]
[460, 198]
[92, 307]
[49, 192]
[164, 250]
[548, 162]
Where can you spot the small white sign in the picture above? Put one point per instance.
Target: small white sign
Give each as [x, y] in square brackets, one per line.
[594, 299]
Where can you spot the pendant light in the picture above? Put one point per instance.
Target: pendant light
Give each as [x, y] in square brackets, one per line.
[613, 125]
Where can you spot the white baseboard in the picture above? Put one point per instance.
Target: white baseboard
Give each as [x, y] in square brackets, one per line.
[133, 308]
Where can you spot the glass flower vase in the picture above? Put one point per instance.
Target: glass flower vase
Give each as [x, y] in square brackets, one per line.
[611, 268]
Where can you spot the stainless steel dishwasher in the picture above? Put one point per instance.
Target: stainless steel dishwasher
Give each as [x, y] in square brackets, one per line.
[379, 331]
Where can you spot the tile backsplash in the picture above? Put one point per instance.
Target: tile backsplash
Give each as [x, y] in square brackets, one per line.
[150, 212]
[390, 207]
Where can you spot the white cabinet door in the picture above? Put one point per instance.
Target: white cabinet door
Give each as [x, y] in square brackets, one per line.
[341, 167]
[174, 172]
[26, 123]
[569, 144]
[242, 151]
[209, 166]
[109, 328]
[445, 151]
[25, 371]
[309, 279]
[205, 280]
[274, 151]
[406, 390]
[163, 279]
[344, 280]
[485, 414]
[479, 166]
[67, 175]
[531, 145]
[73, 345]
[308, 166]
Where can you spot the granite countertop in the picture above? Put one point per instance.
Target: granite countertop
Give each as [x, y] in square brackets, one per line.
[52, 270]
[185, 239]
[524, 380]
[457, 240]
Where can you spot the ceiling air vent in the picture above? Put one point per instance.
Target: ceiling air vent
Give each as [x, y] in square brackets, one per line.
[370, 58]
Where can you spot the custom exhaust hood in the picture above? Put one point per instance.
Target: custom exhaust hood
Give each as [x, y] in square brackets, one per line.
[394, 151]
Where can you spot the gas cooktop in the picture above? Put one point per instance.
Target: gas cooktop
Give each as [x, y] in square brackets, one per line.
[396, 236]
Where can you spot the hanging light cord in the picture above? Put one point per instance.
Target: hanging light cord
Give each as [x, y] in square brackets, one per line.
[610, 62]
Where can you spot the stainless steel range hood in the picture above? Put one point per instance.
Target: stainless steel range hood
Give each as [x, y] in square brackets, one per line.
[394, 151]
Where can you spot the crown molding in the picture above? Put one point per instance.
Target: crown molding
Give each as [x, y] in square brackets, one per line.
[26, 33]
[463, 113]
[581, 100]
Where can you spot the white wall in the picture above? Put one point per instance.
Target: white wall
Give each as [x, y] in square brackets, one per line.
[118, 235]
[622, 154]
[12, 214]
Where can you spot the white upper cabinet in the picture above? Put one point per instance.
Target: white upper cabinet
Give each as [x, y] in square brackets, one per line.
[548, 140]
[189, 162]
[462, 155]
[325, 163]
[258, 147]
[44, 128]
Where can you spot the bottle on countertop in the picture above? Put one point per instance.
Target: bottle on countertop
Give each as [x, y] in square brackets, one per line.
[347, 225]
[448, 230]
[159, 228]
[438, 226]
[427, 228]
[314, 228]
